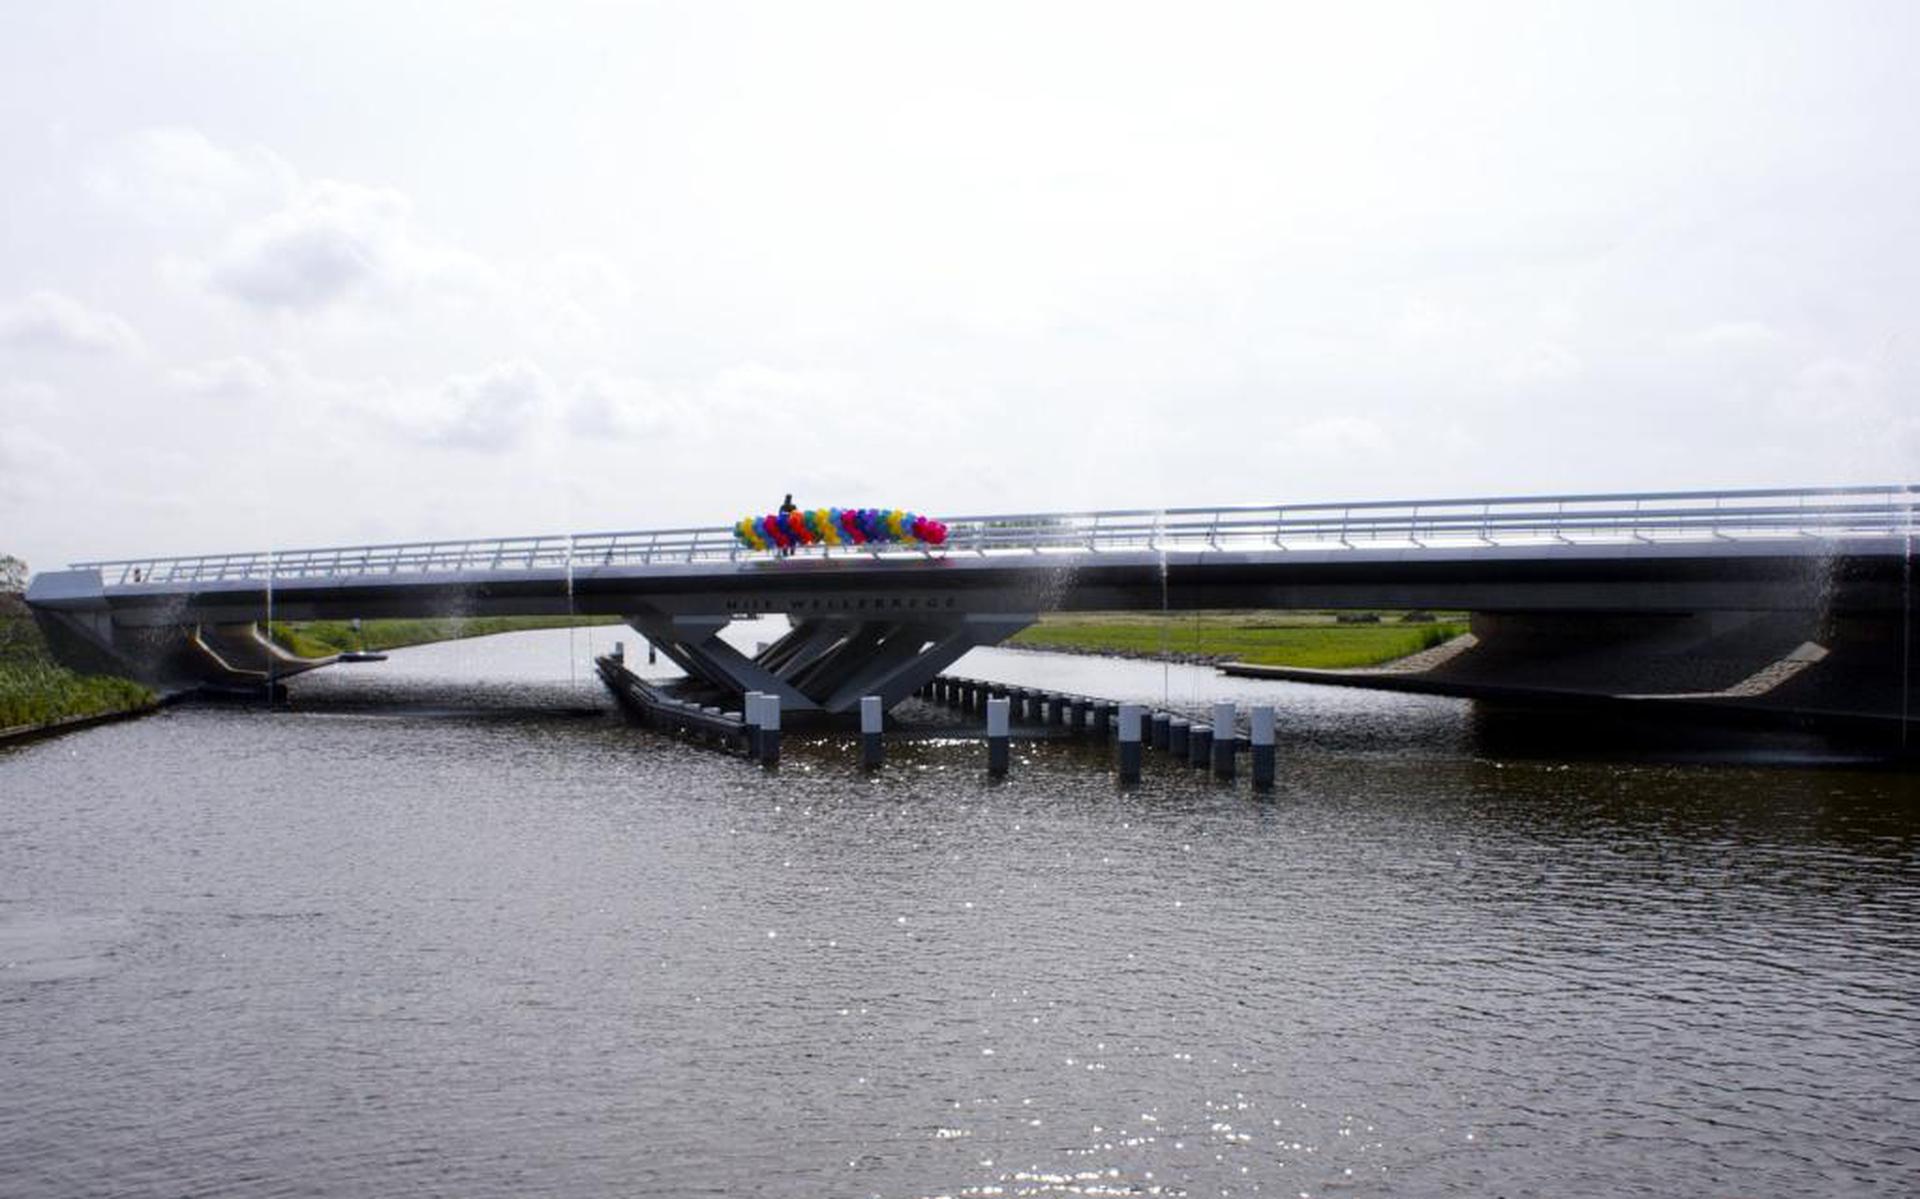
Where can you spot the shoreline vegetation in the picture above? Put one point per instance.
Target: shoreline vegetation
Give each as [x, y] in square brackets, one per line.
[1314, 640]
[37, 693]
[323, 638]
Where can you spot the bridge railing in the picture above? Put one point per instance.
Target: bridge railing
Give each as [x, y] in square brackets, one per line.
[1650, 517]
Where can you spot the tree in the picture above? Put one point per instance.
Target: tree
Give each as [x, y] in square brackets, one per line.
[13, 573]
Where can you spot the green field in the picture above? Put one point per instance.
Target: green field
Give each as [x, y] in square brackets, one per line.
[319, 638]
[35, 690]
[1307, 639]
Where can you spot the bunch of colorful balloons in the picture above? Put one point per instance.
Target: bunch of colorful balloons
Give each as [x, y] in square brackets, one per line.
[838, 526]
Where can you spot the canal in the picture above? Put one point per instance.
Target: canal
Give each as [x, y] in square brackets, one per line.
[445, 925]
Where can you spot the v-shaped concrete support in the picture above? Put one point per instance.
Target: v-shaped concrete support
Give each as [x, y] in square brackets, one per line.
[827, 664]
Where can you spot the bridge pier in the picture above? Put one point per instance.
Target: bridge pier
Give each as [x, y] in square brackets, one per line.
[827, 664]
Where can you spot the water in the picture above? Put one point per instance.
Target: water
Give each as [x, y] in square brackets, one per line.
[446, 926]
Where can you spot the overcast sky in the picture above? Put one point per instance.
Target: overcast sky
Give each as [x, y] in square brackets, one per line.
[276, 275]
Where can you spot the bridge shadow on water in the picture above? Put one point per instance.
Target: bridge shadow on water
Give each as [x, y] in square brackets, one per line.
[1598, 735]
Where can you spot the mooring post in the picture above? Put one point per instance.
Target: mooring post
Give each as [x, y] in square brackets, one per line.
[1056, 709]
[620, 651]
[1262, 738]
[1224, 744]
[1129, 748]
[1179, 736]
[1162, 730]
[1077, 716]
[999, 742]
[770, 730]
[751, 706]
[1103, 720]
[872, 749]
[1199, 744]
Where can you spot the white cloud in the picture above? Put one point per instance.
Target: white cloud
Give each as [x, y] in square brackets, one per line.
[1730, 335]
[21, 396]
[335, 241]
[1338, 437]
[224, 378]
[178, 176]
[495, 409]
[31, 465]
[47, 320]
[605, 405]
[1540, 364]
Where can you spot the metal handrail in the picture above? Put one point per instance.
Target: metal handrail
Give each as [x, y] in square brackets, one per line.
[1648, 517]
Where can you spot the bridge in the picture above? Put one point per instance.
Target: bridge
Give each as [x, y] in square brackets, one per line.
[1789, 600]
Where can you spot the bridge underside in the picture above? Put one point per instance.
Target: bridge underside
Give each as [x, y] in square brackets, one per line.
[1853, 672]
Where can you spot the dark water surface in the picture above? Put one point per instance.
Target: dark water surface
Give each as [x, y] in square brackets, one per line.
[447, 926]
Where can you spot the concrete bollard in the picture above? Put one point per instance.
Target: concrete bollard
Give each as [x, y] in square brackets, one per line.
[751, 709]
[1199, 745]
[620, 652]
[1162, 730]
[1129, 746]
[1102, 721]
[769, 730]
[872, 750]
[1224, 739]
[999, 740]
[1179, 737]
[1263, 751]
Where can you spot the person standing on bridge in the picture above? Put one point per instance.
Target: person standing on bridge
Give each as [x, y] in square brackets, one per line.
[787, 507]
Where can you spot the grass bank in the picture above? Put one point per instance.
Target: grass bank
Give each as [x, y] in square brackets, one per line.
[319, 638]
[1319, 640]
[35, 690]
